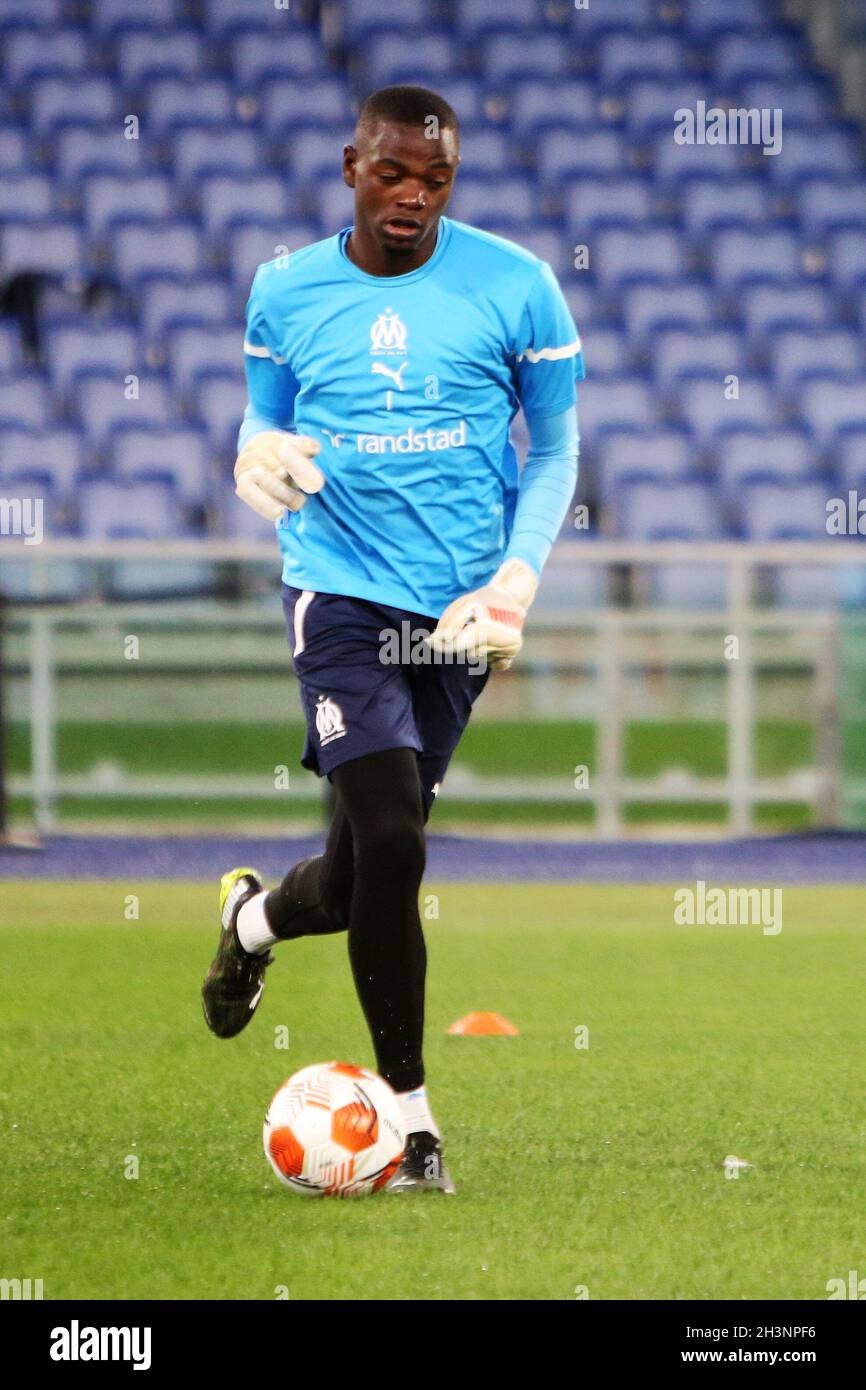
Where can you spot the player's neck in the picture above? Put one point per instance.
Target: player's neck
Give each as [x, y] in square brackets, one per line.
[364, 252]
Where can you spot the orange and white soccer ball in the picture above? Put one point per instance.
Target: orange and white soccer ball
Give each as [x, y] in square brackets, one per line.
[334, 1130]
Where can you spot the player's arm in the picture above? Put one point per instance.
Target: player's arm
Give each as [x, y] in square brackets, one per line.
[548, 362]
[274, 468]
[490, 620]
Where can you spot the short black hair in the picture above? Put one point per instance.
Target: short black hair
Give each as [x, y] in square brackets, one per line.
[407, 106]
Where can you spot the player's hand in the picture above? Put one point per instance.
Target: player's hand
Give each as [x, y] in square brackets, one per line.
[275, 471]
[488, 623]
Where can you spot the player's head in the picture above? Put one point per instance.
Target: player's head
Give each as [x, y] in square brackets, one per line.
[402, 165]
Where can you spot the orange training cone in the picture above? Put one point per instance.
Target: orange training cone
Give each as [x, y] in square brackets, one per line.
[479, 1025]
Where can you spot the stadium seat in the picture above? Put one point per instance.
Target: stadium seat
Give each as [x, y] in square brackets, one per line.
[60, 101]
[55, 453]
[847, 259]
[593, 203]
[795, 354]
[147, 511]
[475, 19]
[703, 406]
[623, 256]
[826, 204]
[487, 201]
[102, 402]
[364, 18]
[803, 156]
[182, 454]
[256, 57]
[574, 153]
[287, 104]
[230, 201]
[784, 511]
[534, 106]
[711, 204]
[24, 402]
[850, 460]
[314, 154]
[657, 456]
[627, 58]
[610, 353]
[108, 199]
[828, 408]
[219, 403]
[738, 59]
[485, 150]
[648, 308]
[613, 15]
[707, 21]
[45, 13]
[742, 257]
[172, 301]
[192, 353]
[391, 58]
[171, 103]
[53, 245]
[197, 151]
[10, 348]
[249, 247]
[32, 53]
[679, 353]
[546, 243]
[650, 104]
[109, 15]
[675, 164]
[142, 56]
[667, 511]
[762, 455]
[76, 347]
[84, 149]
[26, 195]
[13, 150]
[767, 309]
[627, 403]
[140, 249]
[507, 58]
[230, 18]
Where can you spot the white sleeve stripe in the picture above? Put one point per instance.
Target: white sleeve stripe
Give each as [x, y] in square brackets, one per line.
[551, 354]
[252, 351]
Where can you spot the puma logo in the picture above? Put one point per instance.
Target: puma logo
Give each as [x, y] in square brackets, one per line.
[394, 373]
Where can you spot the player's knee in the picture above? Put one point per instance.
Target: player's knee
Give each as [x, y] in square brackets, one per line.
[394, 848]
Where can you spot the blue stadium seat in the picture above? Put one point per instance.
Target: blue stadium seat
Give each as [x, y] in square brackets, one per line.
[77, 348]
[144, 249]
[826, 204]
[172, 103]
[706, 20]
[137, 454]
[658, 456]
[678, 353]
[738, 59]
[627, 403]
[317, 153]
[465, 95]
[742, 257]
[499, 201]
[146, 511]
[828, 408]
[256, 58]
[711, 204]
[668, 511]
[334, 205]
[26, 195]
[784, 511]
[574, 153]
[45, 13]
[54, 245]
[108, 199]
[230, 201]
[509, 57]
[847, 259]
[627, 58]
[535, 106]
[795, 355]
[249, 247]
[232, 17]
[612, 15]
[192, 354]
[766, 455]
[544, 242]
[219, 404]
[33, 53]
[485, 151]
[10, 348]
[673, 164]
[850, 460]
[623, 256]
[803, 102]
[360, 20]
[24, 402]
[109, 15]
[650, 104]
[84, 149]
[392, 57]
[173, 301]
[101, 404]
[648, 308]
[475, 19]
[591, 203]
[610, 353]
[55, 453]
[703, 407]
[287, 104]
[143, 56]
[14, 157]
[809, 154]
[60, 101]
[228, 150]
[768, 308]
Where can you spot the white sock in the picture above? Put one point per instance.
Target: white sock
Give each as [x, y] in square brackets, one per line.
[254, 932]
[415, 1109]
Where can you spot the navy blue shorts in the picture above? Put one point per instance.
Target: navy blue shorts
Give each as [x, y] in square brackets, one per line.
[356, 703]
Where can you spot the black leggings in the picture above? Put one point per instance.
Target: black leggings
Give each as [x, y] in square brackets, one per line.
[367, 883]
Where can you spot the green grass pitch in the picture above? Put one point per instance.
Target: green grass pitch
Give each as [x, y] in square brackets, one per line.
[596, 1168]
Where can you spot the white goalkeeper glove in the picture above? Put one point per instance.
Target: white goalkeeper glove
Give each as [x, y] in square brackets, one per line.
[275, 471]
[487, 624]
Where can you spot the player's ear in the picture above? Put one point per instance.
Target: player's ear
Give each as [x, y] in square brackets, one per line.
[350, 159]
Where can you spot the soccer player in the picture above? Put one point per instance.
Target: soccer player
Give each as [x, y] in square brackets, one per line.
[385, 365]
